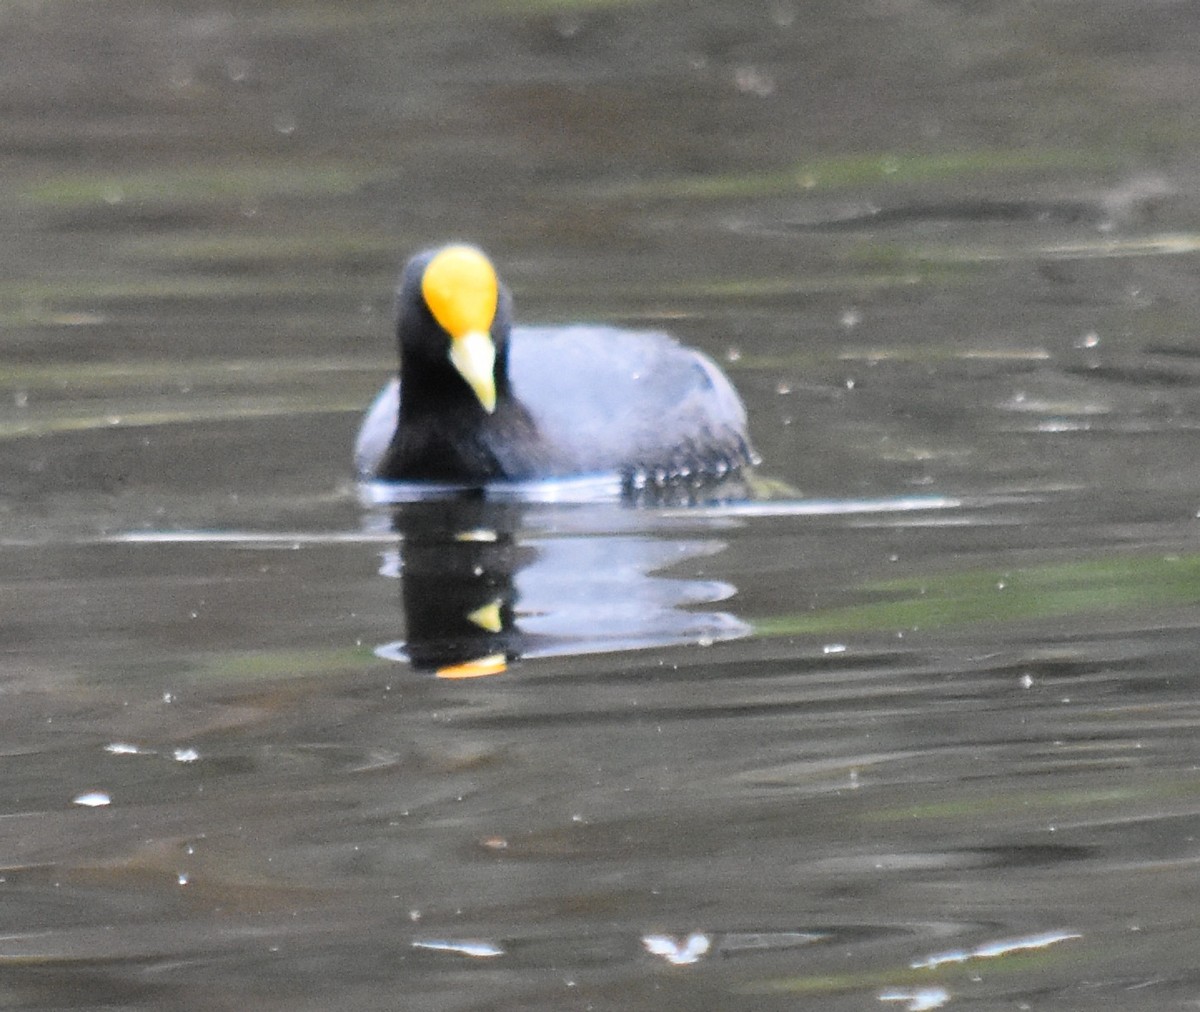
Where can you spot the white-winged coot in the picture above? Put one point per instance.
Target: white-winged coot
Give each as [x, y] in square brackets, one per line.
[478, 400]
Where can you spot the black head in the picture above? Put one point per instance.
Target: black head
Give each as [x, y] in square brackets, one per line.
[452, 321]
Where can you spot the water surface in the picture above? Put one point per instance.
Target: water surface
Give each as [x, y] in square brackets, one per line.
[917, 730]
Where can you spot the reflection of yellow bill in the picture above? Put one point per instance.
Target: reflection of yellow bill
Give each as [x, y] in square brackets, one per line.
[488, 617]
[481, 534]
[493, 664]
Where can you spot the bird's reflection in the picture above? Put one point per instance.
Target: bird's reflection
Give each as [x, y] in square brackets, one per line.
[483, 583]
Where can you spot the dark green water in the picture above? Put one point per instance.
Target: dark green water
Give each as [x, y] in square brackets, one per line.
[921, 734]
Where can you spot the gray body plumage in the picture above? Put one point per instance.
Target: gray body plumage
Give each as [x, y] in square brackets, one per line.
[602, 400]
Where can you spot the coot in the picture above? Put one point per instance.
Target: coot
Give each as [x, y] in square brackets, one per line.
[478, 400]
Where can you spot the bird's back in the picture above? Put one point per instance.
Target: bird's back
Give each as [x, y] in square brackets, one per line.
[628, 401]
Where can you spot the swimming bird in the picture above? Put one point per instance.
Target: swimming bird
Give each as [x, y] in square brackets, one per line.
[478, 400]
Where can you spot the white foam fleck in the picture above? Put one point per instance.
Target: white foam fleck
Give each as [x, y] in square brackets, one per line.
[676, 952]
[476, 948]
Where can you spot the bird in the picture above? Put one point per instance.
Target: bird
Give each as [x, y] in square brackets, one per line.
[479, 401]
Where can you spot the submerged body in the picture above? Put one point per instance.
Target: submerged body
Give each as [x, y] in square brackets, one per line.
[496, 403]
